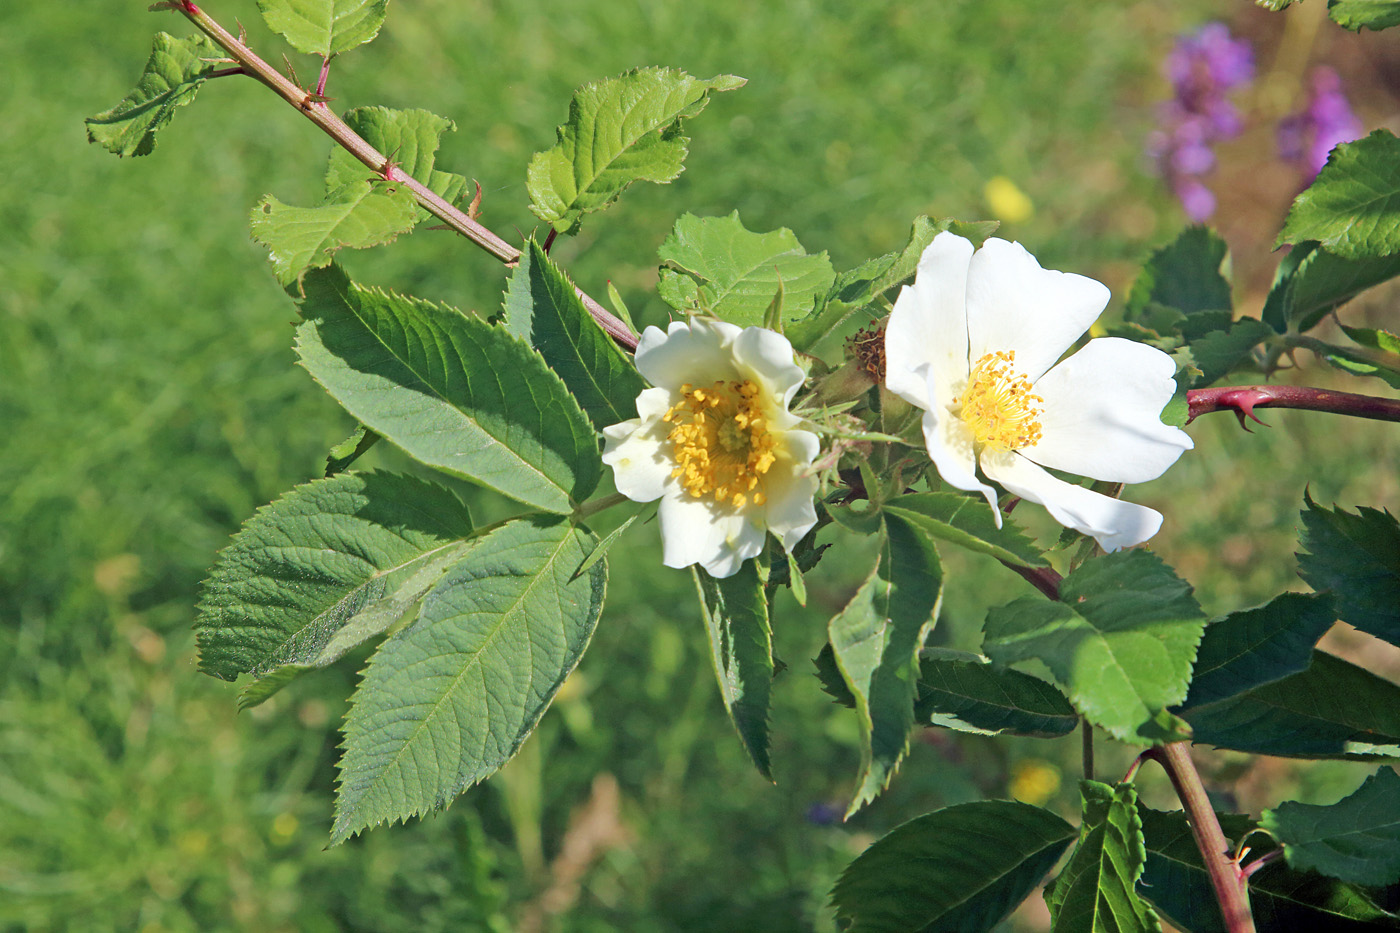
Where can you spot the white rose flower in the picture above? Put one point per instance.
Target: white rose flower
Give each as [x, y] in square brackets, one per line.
[715, 442]
[974, 343]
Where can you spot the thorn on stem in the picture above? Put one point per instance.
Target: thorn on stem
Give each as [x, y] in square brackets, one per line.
[474, 208]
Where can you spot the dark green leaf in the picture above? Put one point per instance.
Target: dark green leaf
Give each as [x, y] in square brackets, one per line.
[1357, 559]
[1185, 275]
[876, 640]
[356, 215]
[1357, 15]
[1121, 642]
[410, 138]
[453, 392]
[1331, 710]
[1282, 900]
[1217, 352]
[728, 271]
[741, 645]
[1311, 283]
[1356, 839]
[1258, 646]
[324, 558]
[174, 72]
[964, 869]
[989, 699]
[449, 699]
[543, 308]
[1353, 207]
[324, 27]
[620, 130]
[967, 522]
[1097, 891]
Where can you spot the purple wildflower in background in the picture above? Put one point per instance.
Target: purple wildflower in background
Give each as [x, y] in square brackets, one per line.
[1307, 137]
[1202, 69]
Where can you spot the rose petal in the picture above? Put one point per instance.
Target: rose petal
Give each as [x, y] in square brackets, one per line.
[767, 357]
[1014, 304]
[950, 447]
[928, 327]
[694, 531]
[1103, 410]
[1111, 522]
[791, 511]
[696, 353]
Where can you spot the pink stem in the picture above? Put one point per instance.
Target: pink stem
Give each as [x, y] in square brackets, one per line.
[1242, 400]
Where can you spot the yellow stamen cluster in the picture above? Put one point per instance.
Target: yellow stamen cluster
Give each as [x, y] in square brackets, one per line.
[721, 442]
[998, 404]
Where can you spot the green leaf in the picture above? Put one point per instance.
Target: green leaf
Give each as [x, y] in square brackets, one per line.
[173, 75]
[620, 130]
[324, 27]
[453, 392]
[741, 645]
[1122, 641]
[876, 640]
[1331, 710]
[1311, 283]
[1282, 900]
[449, 699]
[1355, 557]
[1353, 207]
[356, 215]
[1275, 5]
[1356, 839]
[1217, 352]
[1258, 646]
[1357, 15]
[410, 138]
[967, 522]
[322, 559]
[1097, 889]
[733, 273]
[543, 308]
[989, 699]
[345, 453]
[963, 868]
[1184, 275]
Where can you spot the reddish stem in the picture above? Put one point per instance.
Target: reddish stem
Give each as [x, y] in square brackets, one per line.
[325, 73]
[357, 146]
[1225, 875]
[1242, 400]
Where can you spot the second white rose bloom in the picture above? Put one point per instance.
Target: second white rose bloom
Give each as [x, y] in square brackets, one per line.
[715, 442]
[975, 341]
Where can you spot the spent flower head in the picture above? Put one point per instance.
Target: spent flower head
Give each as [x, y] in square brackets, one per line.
[716, 443]
[974, 343]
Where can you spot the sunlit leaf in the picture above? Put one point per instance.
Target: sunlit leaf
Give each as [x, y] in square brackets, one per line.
[356, 215]
[1122, 641]
[1353, 207]
[620, 130]
[1311, 282]
[543, 308]
[452, 391]
[449, 699]
[173, 75]
[324, 27]
[733, 273]
[335, 558]
[1357, 15]
[409, 138]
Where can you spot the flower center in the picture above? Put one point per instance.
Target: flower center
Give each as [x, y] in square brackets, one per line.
[998, 404]
[721, 442]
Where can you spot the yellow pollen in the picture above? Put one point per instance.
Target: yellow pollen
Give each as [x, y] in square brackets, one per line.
[721, 443]
[998, 404]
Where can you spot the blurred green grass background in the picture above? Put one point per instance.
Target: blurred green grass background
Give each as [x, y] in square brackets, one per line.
[150, 403]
